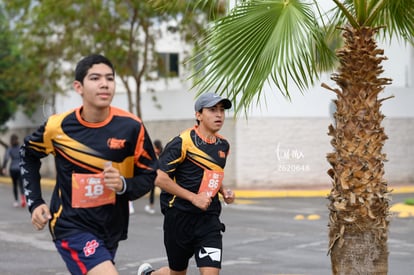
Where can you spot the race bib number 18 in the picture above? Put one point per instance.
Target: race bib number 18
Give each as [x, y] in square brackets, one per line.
[88, 190]
[211, 182]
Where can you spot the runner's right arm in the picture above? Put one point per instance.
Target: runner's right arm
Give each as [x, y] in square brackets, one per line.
[32, 151]
[200, 200]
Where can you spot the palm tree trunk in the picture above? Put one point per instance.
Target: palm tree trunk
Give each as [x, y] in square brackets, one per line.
[359, 199]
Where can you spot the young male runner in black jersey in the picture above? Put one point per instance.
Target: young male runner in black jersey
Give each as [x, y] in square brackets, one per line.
[191, 177]
[104, 158]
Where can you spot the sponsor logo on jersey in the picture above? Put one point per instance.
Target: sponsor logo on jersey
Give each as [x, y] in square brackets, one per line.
[115, 144]
[222, 154]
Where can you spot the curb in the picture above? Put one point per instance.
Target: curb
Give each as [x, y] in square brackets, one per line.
[259, 193]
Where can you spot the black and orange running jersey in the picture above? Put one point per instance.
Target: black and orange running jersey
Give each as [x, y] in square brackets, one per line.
[82, 147]
[184, 159]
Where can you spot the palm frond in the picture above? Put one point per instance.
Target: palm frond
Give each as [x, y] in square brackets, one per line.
[262, 41]
[398, 18]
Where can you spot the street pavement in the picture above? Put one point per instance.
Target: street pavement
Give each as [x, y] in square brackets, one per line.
[267, 233]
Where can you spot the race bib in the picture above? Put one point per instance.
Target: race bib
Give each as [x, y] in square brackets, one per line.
[211, 182]
[88, 190]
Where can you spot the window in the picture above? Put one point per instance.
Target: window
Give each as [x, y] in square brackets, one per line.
[168, 65]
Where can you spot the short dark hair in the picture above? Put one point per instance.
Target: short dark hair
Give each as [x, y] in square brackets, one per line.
[87, 62]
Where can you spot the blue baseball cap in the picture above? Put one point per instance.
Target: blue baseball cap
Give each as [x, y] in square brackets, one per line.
[208, 100]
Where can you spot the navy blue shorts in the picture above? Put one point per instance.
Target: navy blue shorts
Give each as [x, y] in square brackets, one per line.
[187, 234]
[83, 251]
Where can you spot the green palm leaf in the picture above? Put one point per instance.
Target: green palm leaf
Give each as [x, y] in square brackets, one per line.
[278, 41]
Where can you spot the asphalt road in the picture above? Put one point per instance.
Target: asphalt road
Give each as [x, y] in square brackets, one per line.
[263, 237]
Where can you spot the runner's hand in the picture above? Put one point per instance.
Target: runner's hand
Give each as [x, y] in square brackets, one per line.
[112, 178]
[40, 216]
[228, 196]
[201, 200]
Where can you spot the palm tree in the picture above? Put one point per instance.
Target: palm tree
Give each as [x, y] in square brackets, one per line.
[288, 42]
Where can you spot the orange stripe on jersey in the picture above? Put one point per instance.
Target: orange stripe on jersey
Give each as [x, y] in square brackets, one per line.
[120, 112]
[140, 150]
[198, 164]
[78, 163]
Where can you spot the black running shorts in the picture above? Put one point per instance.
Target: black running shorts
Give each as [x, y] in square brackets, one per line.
[187, 234]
